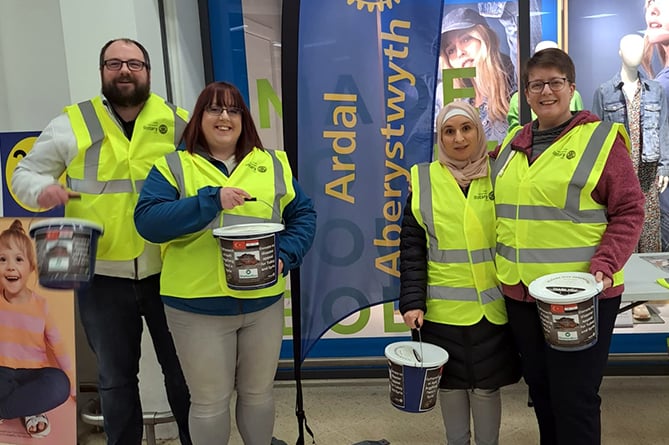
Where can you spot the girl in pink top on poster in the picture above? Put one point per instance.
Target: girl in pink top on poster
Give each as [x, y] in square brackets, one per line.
[29, 341]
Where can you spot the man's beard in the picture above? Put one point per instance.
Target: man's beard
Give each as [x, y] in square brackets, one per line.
[133, 98]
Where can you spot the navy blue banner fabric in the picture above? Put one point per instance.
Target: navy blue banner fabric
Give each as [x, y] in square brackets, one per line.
[366, 85]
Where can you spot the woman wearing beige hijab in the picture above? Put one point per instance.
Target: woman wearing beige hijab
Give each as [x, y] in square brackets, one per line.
[449, 288]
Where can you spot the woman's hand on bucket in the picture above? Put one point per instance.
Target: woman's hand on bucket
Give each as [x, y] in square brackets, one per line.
[232, 197]
[54, 195]
[601, 278]
[413, 318]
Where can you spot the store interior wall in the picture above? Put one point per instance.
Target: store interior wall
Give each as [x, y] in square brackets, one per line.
[49, 54]
[49, 59]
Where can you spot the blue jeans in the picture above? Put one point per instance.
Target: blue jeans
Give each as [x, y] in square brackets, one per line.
[664, 219]
[111, 311]
[28, 392]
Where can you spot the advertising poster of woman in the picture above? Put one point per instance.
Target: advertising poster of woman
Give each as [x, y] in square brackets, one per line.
[594, 29]
[484, 36]
[37, 347]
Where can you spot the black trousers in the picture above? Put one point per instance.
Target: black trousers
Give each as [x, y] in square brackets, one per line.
[564, 385]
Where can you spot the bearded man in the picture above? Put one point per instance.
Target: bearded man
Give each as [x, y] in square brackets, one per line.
[106, 147]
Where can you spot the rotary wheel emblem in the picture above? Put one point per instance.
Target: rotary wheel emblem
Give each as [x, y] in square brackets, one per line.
[380, 5]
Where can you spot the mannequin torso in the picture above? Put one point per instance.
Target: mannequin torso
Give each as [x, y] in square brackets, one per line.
[639, 104]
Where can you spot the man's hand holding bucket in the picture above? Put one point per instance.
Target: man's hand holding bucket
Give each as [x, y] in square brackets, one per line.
[55, 195]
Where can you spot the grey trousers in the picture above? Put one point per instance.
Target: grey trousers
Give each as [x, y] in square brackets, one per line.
[222, 354]
[485, 406]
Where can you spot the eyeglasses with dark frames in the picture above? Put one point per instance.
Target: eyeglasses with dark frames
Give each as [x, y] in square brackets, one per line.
[555, 84]
[116, 64]
[216, 110]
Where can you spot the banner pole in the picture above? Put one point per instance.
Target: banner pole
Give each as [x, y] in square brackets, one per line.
[289, 54]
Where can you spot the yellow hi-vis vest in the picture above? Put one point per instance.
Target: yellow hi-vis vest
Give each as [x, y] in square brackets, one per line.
[462, 286]
[547, 221]
[109, 170]
[193, 263]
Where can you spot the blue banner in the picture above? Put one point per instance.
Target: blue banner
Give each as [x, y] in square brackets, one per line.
[366, 83]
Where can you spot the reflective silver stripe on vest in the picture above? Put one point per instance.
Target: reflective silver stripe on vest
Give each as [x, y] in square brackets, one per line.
[173, 161]
[463, 294]
[554, 255]
[542, 213]
[436, 254]
[179, 123]
[501, 161]
[174, 164]
[571, 210]
[280, 187]
[90, 183]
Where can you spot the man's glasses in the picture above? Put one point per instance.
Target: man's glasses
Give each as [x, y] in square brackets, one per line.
[556, 84]
[216, 110]
[116, 64]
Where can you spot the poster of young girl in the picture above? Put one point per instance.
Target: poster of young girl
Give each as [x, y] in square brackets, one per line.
[37, 353]
[484, 36]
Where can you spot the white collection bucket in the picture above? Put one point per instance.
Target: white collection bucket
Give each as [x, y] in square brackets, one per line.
[65, 250]
[567, 304]
[414, 371]
[250, 254]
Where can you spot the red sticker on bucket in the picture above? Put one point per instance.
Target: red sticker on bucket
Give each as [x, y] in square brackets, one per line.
[557, 308]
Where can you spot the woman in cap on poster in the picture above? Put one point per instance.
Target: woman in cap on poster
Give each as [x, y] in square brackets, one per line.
[448, 284]
[227, 338]
[567, 199]
[468, 41]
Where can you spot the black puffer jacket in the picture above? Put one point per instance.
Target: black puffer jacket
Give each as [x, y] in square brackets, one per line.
[480, 356]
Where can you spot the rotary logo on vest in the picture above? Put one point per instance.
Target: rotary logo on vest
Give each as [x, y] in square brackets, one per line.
[257, 168]
[156, 128]
[488, 196]
[564, 153]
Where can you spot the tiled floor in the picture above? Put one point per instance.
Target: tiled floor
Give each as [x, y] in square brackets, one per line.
[635, 410]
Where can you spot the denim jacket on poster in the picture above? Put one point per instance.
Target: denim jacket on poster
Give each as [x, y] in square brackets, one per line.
[609, 104]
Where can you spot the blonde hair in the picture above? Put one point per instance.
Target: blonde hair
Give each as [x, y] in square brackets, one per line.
[648, 52]
[492, 80]
[16, 237]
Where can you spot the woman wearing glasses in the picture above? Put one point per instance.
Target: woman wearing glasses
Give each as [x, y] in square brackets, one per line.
[567, 199]
[227, 339]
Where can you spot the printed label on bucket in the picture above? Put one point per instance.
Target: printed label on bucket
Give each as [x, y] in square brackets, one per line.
[249, 263]
[396, 384]
[63, 254]
[413, 389]
[569, 325]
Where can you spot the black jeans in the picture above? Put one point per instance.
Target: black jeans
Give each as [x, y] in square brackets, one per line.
[111, 311]
[564, 385]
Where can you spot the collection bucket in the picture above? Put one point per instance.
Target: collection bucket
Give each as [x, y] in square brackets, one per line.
[567, 304]
[65, 251]
[250, 254]
[414, 371]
